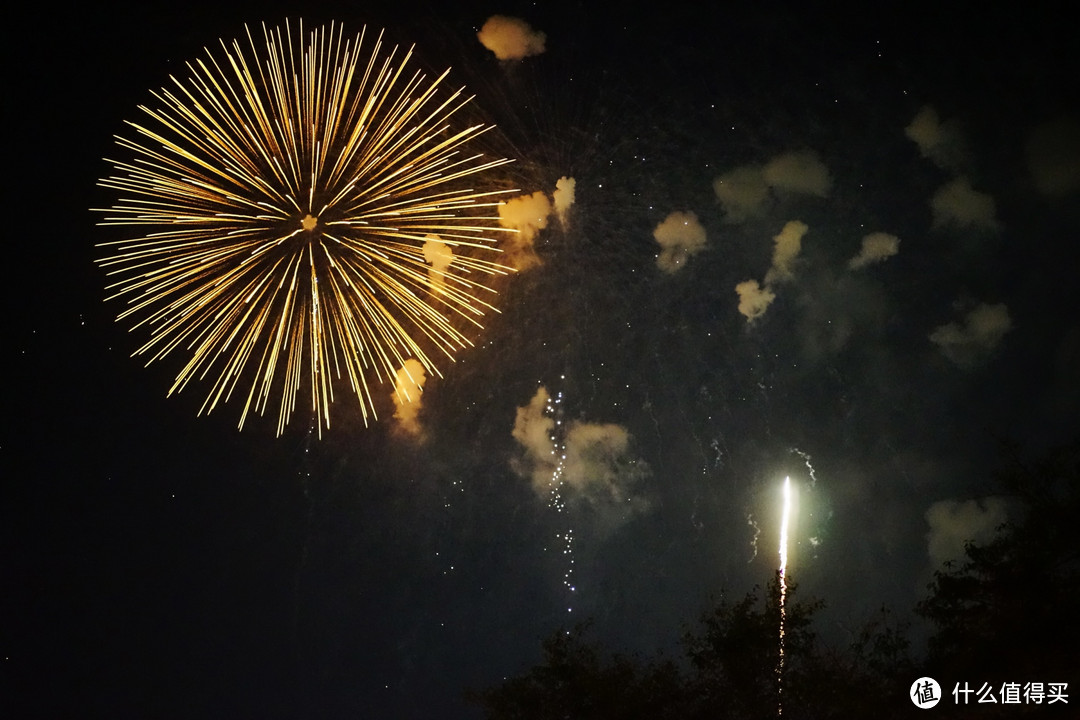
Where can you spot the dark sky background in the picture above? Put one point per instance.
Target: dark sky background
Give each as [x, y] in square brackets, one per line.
[159, 564]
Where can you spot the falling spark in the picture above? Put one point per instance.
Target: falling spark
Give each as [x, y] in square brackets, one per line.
[282, 192]
[556, 496]
[784, 519]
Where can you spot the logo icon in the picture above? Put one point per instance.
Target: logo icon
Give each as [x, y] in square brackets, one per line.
[925, 693]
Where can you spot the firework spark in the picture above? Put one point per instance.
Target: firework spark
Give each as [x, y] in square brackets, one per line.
[284, 191]
[556, 486]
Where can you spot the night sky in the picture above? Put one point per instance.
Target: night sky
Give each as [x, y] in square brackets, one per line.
[901, 188]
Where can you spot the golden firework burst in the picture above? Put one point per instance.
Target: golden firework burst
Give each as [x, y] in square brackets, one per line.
[284, 193]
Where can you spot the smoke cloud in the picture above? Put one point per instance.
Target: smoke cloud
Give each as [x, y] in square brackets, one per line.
[440, 256]
[563, 197]
[528, 215]
[798, 172]
[593, 454]
[754, 300]
[599, 472]
[953, 524]
[742, 193]
[940, 143]
[788, 244]
[836, 308]
[971, 340]
[603, 474]
[408, 389]
[680, 236]
[511, 38]
[958, 205]
[534, 431]
[876, 247]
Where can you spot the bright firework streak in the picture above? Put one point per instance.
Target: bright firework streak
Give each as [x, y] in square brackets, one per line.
[285, 194]
[784, 520]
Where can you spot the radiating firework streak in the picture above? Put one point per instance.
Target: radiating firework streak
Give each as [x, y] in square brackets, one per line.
[285, 190]
[785, 517]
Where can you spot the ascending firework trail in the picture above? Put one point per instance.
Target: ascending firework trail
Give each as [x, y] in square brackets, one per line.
[785, 517]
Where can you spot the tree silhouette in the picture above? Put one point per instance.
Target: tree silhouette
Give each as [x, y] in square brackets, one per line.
[736, 657]
[729, 671]
[579, 680]
[1005, 612]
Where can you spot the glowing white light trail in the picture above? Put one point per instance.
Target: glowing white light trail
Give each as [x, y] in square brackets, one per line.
[784, 520]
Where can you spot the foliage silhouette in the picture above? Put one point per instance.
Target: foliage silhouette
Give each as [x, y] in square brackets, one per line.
[1004, 613]
[729, 671]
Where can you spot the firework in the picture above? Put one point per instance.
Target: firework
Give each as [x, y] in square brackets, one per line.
[283, 192]
[784, 520]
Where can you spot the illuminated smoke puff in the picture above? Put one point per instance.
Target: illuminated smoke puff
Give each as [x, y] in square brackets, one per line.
[533, 429]
[528, 215]
[439, 256]
[967, 342]
[510, 38]
[787, 245]
[925, 131]
[593, 452]
[598, 460]
[563, 197]
[754, 300]
[798, 172]
[408, 394]
[958, 205]
[742, 193]
[599, 471]
[680, 236]
[283, 189]
[955, 523]
[602, 473]
[876, 247]
[939, 142]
